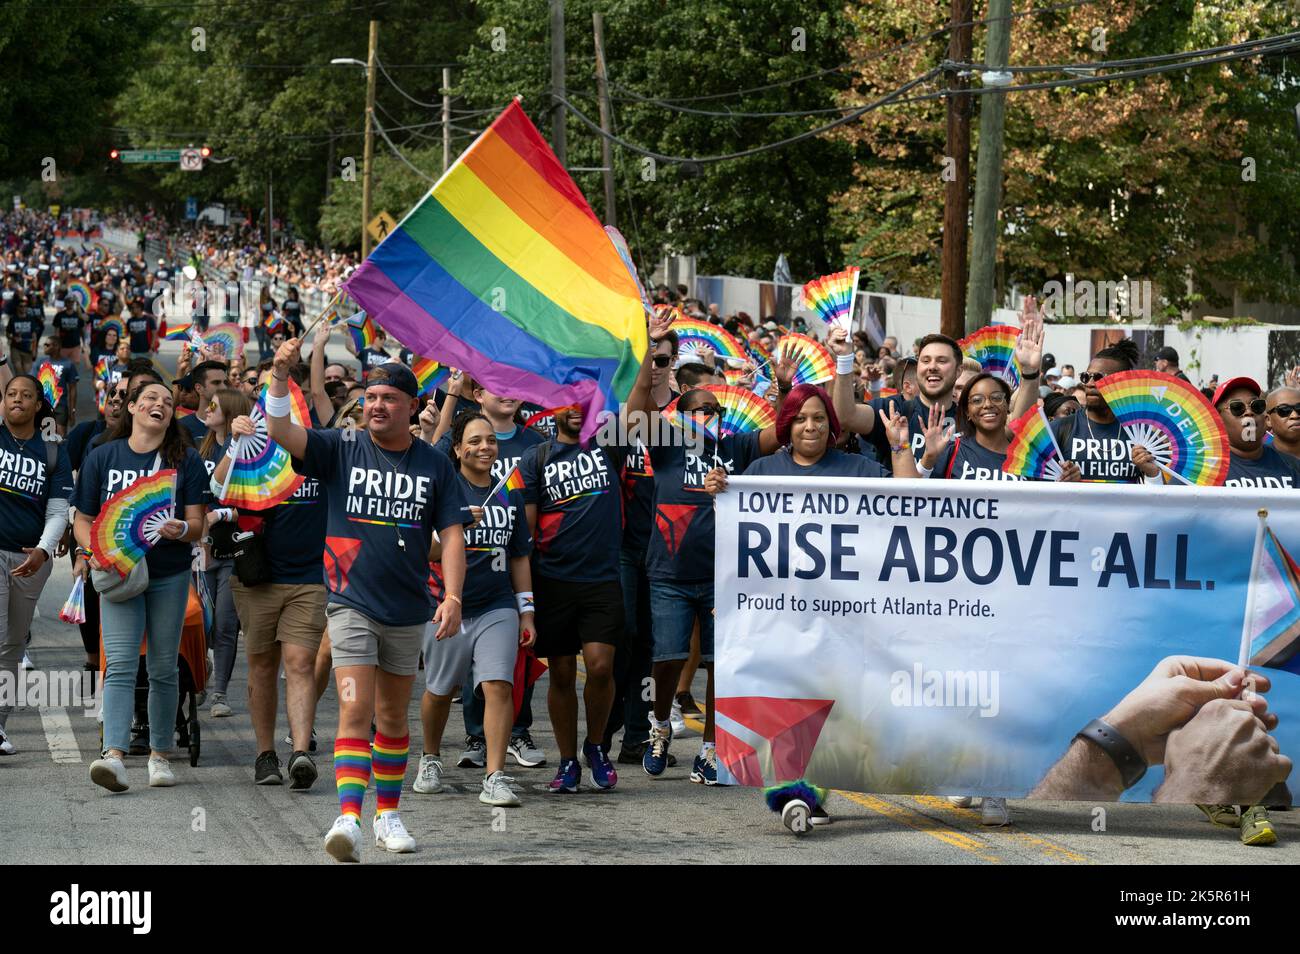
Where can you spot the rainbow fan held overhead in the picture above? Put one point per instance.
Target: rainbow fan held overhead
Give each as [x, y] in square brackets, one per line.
[692, 332]
[994, 347]
[742, 411]
[831, 296]
[82, 293]
[1172, 420]
[226, 339]
[505, 272]
[130, 521]
[49, 376]
[261, 474]
[1033, 452]
[813, 363]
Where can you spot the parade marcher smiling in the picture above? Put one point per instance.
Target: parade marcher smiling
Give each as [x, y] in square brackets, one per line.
[387, 493]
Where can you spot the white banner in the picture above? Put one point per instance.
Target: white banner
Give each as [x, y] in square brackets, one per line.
[919, 636]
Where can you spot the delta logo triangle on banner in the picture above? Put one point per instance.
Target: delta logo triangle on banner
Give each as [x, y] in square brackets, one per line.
[1274, 626]
[788, 729]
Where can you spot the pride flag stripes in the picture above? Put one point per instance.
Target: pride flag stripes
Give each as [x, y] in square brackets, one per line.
[504, 271]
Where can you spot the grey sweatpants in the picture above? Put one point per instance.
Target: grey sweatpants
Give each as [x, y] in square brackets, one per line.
[18, 595]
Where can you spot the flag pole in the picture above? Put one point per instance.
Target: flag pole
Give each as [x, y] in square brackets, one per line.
[1048, 424]
[1243, 654]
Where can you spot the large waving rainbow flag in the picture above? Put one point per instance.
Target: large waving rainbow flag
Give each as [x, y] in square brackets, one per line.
[504, 271]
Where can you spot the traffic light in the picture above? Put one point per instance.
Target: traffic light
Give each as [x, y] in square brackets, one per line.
[114, 154]
[205, 151]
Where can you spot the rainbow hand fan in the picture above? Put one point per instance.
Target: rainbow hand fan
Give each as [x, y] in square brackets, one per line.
[429, 374]
[691, 332]
[831, 296]
[105, 323]
[994, 347]
[228, 337]
[1172, 420]
[1033, 451]
[813, 361]
[261, 473]
[82, 293]
[742, 411]
[130, 521]
[74, 608]
[49, 377]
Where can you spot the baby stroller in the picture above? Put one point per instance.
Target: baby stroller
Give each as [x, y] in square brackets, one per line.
[192, 677]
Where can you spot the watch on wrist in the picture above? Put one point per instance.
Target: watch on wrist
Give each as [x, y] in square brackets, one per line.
[1106, 737]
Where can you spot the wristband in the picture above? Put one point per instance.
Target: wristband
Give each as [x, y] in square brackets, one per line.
[1029, 377]
[232, 450]
[898, 448]
[525, 602]
[923, 470]
[277, 406]
[844, 364]
[1106, 737]
[453, 596]
[83, 552]
[784, 388]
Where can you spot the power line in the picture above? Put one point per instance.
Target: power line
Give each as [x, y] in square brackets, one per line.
[392, 82]
[398, 153]
[1282, 41]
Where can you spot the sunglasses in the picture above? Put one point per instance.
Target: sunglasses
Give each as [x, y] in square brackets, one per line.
[663, 360]
[1238, 408]
[1286, 410]
[710, 410]
[1089, 377]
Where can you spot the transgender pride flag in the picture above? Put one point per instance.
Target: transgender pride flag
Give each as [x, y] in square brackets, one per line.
[1271, 634]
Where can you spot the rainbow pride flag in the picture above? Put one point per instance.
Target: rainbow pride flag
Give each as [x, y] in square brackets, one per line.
[429, 374]
[511, 481]
[179, 333]
[504, 271]
[363, 331]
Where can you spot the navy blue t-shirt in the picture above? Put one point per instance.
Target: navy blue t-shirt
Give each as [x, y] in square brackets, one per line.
[70, 326]
[510, 450]
[139, 328]
[918, 419]
[372, 358]
[638, 501]
[374, 499]
[295, 534]
[1102, 451]
[967, 459]
[579, 510]
[78, 440]
[112, 467]
[681, 548]
[25, 329]
[68, 377]
[834, 463]
[23, 488]
[197, 428]
[500, 535]
[1271, 470]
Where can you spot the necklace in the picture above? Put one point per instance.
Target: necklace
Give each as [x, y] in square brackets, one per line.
[401, 544]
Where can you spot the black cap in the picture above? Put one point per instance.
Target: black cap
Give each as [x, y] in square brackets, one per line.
[1167, 354]
[394, 374]
[1052, 403]
[1049, 362]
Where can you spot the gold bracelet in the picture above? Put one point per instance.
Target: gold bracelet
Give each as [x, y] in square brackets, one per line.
[453, 596]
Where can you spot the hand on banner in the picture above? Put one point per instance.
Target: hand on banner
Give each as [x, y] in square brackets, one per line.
[429, 419]
[243, 426]
[1144, 461]
[715, 481]
[1070, 472]
[1174, 692]
[527, 629]
[286, 357]
[1029, 345]
[937, 435]
[1224, 755]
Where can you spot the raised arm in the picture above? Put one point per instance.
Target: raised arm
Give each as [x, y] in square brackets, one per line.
[281, 428]
[903, 463]
[1029, 355]
[859, 418]
[319, 399]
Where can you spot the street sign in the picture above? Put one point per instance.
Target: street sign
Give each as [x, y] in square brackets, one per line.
[191, 160]
[380, 226]
[191, 208]
[150, 155]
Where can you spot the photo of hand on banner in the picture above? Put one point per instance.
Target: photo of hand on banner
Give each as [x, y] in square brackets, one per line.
[131, 521]
[1173, 421]
[261, 472]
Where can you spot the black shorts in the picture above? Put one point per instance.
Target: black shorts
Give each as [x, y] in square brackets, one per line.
[571, 613]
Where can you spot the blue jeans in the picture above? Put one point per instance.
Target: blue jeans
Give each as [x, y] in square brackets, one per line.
[472, 709]
[631, 709]
[674, 608]
[160, 611]
[225, 623]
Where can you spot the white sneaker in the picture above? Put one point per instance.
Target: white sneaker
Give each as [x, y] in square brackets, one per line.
[343, 841]
[961, 801]
[497, 791]
[27, 662]
[429, 779]
[994, 812]
[109, 772]
[160, 773]
[391, 834]
[220, 708]
[524, 752]
[677, 722]
[6, 747]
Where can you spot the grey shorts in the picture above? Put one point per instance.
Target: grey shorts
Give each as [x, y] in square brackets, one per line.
[358, 640]
[483, 651]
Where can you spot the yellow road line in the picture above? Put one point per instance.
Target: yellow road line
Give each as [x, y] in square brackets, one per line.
[933, 827]
[1048, 848]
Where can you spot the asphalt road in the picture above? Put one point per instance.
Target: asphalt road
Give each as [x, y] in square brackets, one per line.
[52, 814]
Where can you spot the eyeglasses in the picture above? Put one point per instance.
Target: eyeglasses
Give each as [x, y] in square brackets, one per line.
[709, 410]
[1238, 408]
[1090, 377]
[997, 399]
[1286, 410]
[663, 360]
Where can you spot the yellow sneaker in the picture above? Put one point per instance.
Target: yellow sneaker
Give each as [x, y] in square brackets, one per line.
[1221, 816]
[1256, 828]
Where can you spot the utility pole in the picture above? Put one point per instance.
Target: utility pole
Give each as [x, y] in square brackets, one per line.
[371, 67]
[606, 147]
[446, 117]
[988, 170]
[557, 81]
[956, 205]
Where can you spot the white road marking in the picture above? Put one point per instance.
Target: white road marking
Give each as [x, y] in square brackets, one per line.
[59, 735]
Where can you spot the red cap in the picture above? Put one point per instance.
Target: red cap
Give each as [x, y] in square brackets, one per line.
[1227, 386]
